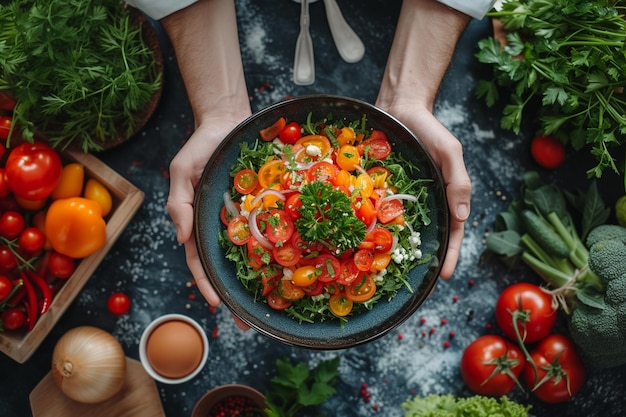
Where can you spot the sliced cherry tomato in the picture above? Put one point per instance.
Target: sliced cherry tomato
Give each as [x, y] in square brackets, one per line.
[290, 291]
[239, 230]
[349, 272]
[364, 185]
[340, 305]
[381, 238]
[328, 266]
[316, 148]
[225, 216]
[304, 276]
[13, 318]
[363, 259]
[98, 192]
[361, 290]
[33, 170]
[559, 373]
[346, 136]
[5, 127]
[71, 181]
[271, 132]
[118, 304]
[292, 206]
[61, 266]
[348, 157]
[528, 308]
[376, 145]
[322, 171]
[286, 254]
[381, 260]
[491, 365]
[279, 226]
[246, 181]
[389, 210]
[379, 176]
[276, 301]
[366, 211]
[32, 240]
[290, 133]
[11, 224]
[271, 173]
[314, 289]
[256, 250]
[547, 151]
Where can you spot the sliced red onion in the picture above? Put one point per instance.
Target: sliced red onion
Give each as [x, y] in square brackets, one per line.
[407, 197]
[275, 193]
[230, 206]
[372, 225]
[254, 230]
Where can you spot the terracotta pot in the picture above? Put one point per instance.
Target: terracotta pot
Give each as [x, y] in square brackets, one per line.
[213, 397]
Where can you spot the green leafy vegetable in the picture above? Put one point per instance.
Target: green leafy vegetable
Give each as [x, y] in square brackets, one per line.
[327, 216]
[566, 59]
[297, 386]
[474, 406]
[80, 70]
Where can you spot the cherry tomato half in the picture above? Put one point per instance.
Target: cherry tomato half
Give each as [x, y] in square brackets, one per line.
[239, 230]
[271, 132]
[340, 305]
[304, 276]
[246, 181]
[361, 290]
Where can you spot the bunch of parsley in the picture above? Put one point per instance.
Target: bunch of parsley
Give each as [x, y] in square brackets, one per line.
[79, 69]
[566, 60]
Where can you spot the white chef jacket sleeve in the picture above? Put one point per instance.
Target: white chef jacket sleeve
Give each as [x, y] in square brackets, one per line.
[158, 9]
[474, 8]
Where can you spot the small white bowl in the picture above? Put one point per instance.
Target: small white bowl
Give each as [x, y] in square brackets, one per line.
[143, 356]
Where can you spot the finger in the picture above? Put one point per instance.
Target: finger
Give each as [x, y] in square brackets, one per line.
[180, 202]
[454, 249]
[202, 281]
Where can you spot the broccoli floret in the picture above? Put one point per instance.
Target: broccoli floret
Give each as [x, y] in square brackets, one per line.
[605, 232]
[608, 259]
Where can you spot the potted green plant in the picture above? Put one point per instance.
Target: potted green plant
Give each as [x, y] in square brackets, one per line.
[84, 74]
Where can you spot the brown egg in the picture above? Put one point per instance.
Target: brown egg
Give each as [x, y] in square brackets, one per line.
[174, 349]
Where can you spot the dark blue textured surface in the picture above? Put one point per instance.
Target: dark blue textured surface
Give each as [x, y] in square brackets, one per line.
[149, 265]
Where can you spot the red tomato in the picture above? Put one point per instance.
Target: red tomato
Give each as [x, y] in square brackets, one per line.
[530, 308]
[329, 267]
[276, 301]
[5, 126]
[238, 230]
[289, 291]
[292, 206]
[271, 132]
[5, 287]
[290, 133]
[361, 290]
[246, 181]
[11, 224]
[381, 239]
[349, 272]
[278, 226]
[366, 211]
[491, 365]
[8, 261]
[377, 145]
[32, 240]
[322, 171]
[61, 266]
[286, 255]
[4, 187]
[389, 209]
[363, 259]
[258, 252]
[547, 151]
[13, 318]
[33, 170]
[118, 303]
[559, 372]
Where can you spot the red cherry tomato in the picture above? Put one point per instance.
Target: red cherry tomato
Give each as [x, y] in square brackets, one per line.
[559, 373]
[11, 224]
[491, 365]
[33, 170]
[286, 254]
[530, 308]
[547, 151]
[32, 240]
[5, 126]
[278, 226]
[13, 318]
[271, 132]
[292, 206]
[5, 287]
[246, 181]
[290, 133]
[118, 303]
[61, 266]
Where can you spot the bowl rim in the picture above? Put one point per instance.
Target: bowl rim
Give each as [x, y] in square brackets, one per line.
[325, 342]
[143, 341]
[214, 395]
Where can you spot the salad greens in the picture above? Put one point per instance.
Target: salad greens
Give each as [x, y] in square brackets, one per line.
[474, 406]
[564, 58]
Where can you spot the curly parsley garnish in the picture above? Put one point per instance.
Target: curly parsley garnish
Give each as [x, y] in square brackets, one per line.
[328, 217]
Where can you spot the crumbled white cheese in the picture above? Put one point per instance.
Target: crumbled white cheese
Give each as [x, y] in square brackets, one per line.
[313, 150]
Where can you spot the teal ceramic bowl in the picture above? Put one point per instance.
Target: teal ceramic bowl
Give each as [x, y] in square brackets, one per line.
[361, 328]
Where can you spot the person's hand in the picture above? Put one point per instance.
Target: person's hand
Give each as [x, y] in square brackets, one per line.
[185, 171]
[447, 152]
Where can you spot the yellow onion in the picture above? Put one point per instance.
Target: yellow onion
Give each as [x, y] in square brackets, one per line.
[89, 365]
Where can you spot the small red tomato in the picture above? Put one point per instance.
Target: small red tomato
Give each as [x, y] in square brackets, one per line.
[61, 266]
[5, 126]
[118, 304]
[547, 151]
[290, 133]
[32, 240]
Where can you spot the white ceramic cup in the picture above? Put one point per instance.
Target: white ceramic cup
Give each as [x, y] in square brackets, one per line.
[143, 357]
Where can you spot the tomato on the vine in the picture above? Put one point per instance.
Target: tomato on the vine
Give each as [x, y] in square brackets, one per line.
[559, 372]
[118, 304]
[32, 240]
[11, 224]
[491, 365]
[290, 133]
[8, 261]
[33, 170]
[4, 187]
[6, 286]
[528, 308]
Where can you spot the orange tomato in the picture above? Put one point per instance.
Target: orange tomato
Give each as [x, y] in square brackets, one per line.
[348, 157]
[271, 172]
[71, 181]
[361, 290]
[340, 305]
[75, 226]
[346, 136]
[304, 276]
[96, 191]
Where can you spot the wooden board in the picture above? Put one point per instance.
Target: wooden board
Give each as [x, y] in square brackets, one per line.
[138, 398]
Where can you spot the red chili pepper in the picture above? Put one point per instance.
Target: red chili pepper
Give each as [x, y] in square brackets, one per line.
[31, 302]
[42, 285]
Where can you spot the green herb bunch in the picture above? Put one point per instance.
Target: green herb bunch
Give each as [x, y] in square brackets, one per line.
[565, 59]
[80, 70]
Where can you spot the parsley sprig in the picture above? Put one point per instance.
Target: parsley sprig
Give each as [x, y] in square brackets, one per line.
[79, 69]
[328, 217]
[566, 59]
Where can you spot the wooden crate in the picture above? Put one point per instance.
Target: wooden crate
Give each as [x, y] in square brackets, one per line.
[126, 201]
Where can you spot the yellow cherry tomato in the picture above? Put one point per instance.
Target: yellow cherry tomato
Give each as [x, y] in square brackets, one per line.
[316, 148]
[304, 276]
[348, 157]
[71, 181]
[340, 305]
[96, 191]
[271, 172]
[364, 185]
[346, 136]
[343, 178]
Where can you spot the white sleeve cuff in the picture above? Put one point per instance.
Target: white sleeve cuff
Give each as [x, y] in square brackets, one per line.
[474, 8]
[158, 9]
